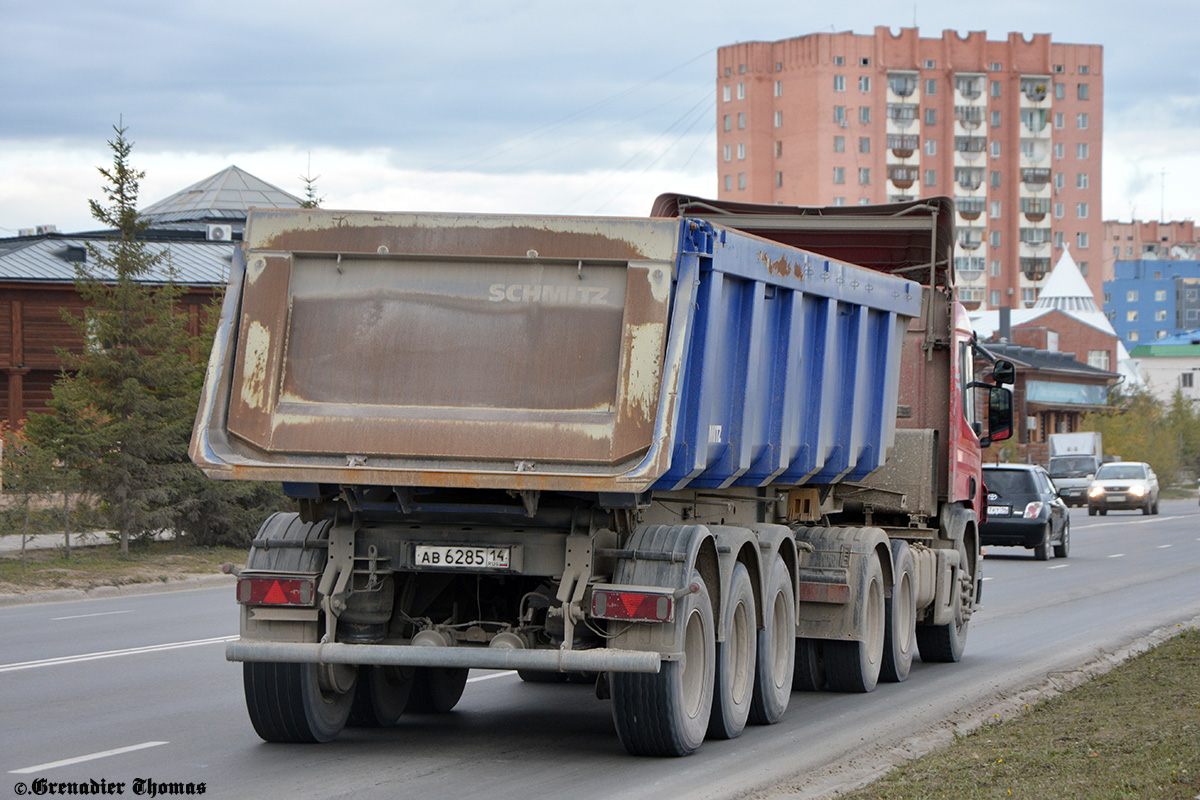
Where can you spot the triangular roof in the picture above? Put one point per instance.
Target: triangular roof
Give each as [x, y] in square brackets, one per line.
[227, 195]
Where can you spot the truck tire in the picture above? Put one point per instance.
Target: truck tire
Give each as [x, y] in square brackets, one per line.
[946, 643]
[1041, 551]
[541, 676]
[436, 690]
[287, 704]
[666, 714]
[776, 659]
[733, 687]
[809, 667]
[380, 696]
[900, 638]
[855, 666]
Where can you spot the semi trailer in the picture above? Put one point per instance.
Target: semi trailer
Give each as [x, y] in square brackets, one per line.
[704, 458]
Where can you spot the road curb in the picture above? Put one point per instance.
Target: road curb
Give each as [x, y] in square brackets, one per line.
[64, 595]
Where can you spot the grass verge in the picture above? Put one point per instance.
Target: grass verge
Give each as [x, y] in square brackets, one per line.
[1133, 732]
[103, 565]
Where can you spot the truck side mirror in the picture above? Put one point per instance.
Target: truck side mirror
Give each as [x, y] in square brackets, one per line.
[1003, 372]
[1000, 415]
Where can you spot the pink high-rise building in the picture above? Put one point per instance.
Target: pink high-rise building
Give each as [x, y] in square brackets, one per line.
[1010, 129]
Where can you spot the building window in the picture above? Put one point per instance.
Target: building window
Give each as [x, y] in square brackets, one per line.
[1081, 150]
[1082, 91]
[727, 152]
[1185, 380]
[995, 116]
[994, 297]
[839, 174]
[930, 64]
[995, 149]
[864, 176]
[1059, 180]
[1083, 266]
[1081, 240]
[741, 120]
[1160, 315]
[741, 69]
[1131, 316]
[931, 116]
[839, 114]
[995, 66]
[1131, 296]
[1081, 121]
[741, 91]
[741, 180]
[995, 88]
[778, 179]
[1133, 336]
[778, 149]
[1128, 251]
[839, 201]
[994, 238]
[931, 86]
[727, 72]
[779, 88]
[1029, 296]
[1083, 69]
[931, 177]
[994, 180]
[864, 83]
[839, 144]
[1081, 180]
[728, 183]
[741, 151]
[1060, 120]
[864, 144]
[1160, 295]
[726, 122]
[994, 209]
[725, 94]
[839, 83]
[1081, 210]
[1098, 359]
[1059, 210]
[839, 61]
[1058, 239]
[864, 62]
[931, 147]
[864, 114]
[1059, 150]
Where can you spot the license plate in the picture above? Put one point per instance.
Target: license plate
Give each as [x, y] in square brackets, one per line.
[999, 511]
[457, 557]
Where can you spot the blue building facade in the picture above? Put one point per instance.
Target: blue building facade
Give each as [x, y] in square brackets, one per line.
[1150, 300]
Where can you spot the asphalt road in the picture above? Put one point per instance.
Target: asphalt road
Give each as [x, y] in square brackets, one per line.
[136, 688]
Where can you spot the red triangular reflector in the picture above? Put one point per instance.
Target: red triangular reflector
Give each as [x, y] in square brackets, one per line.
[275, 595]
[631, 603]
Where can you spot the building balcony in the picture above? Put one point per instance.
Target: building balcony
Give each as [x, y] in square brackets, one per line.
[969, 86]
[1035, 178]
[969, 116]
[1035, 236]
[1035, 89]
[970, 238]
[903, 145]
[902, 84]
[902, 176]
[968, 178]
[1035, 209]
[970, 207]
[1035, 119]
[969, 268]
[1035, 269]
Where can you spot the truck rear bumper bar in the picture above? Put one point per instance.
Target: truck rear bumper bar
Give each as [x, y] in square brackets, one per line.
[598, 660]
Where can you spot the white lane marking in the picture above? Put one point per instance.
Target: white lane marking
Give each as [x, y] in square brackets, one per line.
[1163, 546]
[100, 614]
[986, 578]
[132, 651]
[1059, 566]
[1117, 555]
[489, 676]
[80, 759]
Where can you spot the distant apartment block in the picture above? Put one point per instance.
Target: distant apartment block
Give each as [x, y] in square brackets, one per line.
[1010, 129]
[1151, 300]
[1137, 240]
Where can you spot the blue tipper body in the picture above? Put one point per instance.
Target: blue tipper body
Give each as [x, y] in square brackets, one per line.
[791, 363]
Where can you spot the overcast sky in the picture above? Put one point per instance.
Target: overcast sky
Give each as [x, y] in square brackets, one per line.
[539, 106]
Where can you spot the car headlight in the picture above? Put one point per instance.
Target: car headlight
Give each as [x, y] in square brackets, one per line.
[1034, 509]
[1137, 490]
[1096, 491]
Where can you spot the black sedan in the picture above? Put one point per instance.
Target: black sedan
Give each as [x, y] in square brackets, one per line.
[1024, 510]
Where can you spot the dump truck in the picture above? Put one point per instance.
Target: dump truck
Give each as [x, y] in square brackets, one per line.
[703, 458]
[1074, 459]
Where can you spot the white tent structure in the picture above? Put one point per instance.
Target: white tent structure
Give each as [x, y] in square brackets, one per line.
[1068, 292]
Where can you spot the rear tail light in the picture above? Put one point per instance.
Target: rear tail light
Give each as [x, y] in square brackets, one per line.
[273, 591]
[1034, 509]
[637, 605]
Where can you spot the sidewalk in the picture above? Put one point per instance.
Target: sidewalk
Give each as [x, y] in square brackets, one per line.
[11, 543]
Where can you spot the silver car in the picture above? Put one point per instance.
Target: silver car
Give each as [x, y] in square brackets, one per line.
[1123, 484]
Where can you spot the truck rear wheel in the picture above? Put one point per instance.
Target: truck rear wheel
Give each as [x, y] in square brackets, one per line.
[776, 649]
[287, 704]
[666, 714]
[855, 666]
[436, 690]
[733, 690]
[809, 674]
[380, 696]
[900, 639]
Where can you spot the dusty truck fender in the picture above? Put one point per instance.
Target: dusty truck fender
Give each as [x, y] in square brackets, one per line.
[664, 556]
[958, 539]
[833, 579]
[737, 545]
[772, 540]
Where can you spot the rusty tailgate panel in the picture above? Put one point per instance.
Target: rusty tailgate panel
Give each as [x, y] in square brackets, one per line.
[453, 342]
